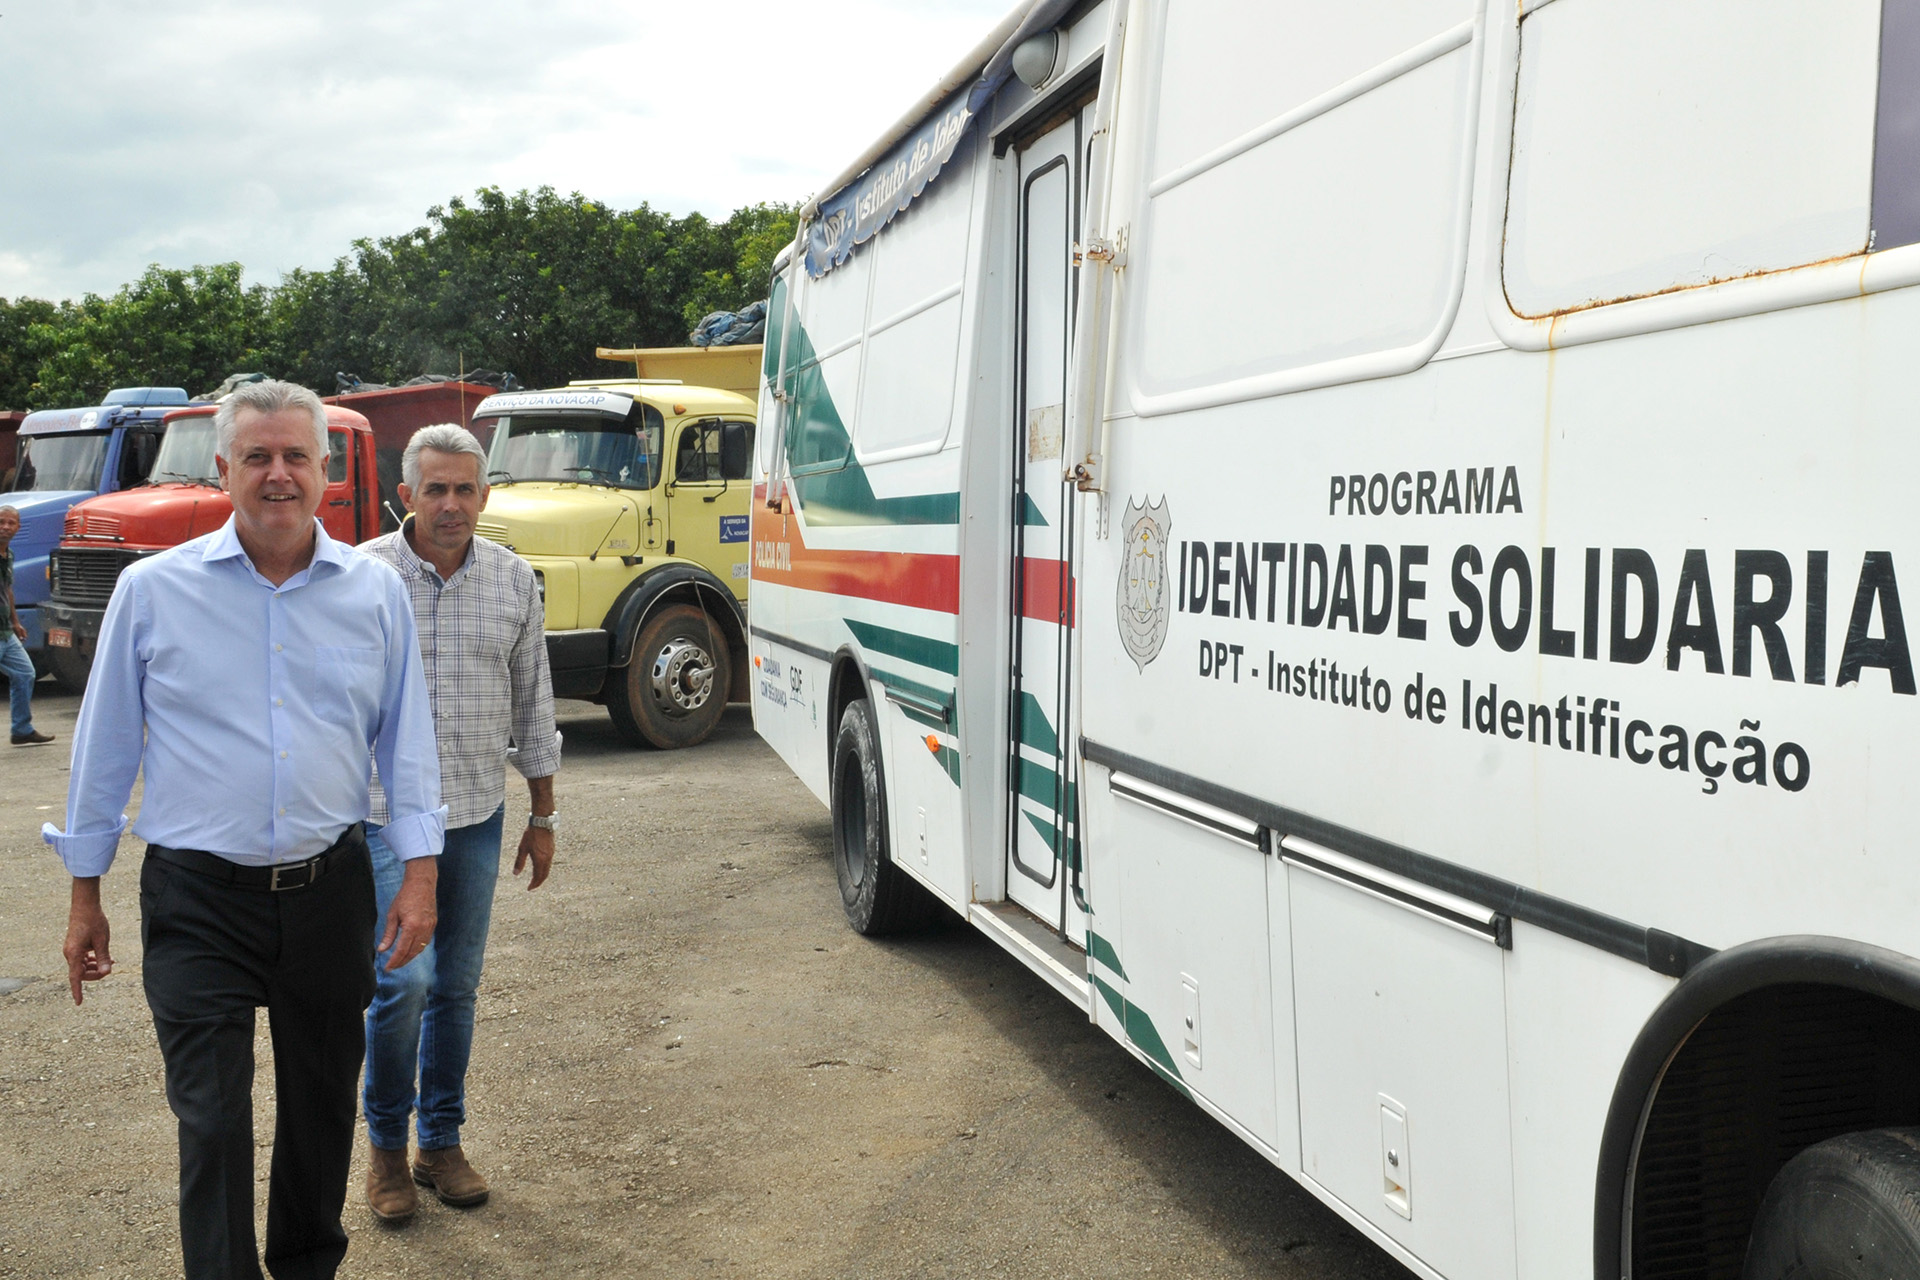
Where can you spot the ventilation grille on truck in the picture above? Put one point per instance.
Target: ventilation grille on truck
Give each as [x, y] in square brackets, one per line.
[85, 575]
[82, 523]
[1759, 1081]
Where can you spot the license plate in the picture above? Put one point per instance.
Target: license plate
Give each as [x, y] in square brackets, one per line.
[59, 638]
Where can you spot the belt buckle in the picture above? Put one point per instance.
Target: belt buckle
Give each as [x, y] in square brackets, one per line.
[273, 880]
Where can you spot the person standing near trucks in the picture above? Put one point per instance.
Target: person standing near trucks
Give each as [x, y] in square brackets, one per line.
[249, 674]
[14, 662]
[482, 633]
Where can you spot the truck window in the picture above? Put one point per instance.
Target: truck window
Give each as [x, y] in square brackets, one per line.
[823, 354]
[186, 452]
[1755, 155]
[339, 445]
[712, 451]
[622, 452]
[1896, 130]
[55, 463]
[1360, 194]
[137, 453]
[913, 317]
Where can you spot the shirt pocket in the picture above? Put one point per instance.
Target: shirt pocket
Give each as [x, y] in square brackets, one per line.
[348, 683]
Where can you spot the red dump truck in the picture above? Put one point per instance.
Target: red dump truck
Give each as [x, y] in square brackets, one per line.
[182, 500]
[397, 412]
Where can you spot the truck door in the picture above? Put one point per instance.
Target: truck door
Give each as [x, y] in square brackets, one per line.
[1043, 863]
[338, 513]
[712, 461]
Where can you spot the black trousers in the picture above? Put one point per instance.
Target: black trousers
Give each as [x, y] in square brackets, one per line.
[214, 953]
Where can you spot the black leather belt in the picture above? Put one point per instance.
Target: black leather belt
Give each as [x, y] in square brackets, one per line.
[283, 875]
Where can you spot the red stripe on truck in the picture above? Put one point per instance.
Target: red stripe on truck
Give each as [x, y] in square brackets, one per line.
[918, 580]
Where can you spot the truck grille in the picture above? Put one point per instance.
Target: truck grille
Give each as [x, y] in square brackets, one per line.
[492, 531]
[85, 575]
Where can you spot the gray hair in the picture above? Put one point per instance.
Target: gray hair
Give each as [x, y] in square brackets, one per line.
[10, 511]
[443, 437]
[268, 397]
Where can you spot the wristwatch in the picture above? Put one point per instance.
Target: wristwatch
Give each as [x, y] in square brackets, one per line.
[546, 822]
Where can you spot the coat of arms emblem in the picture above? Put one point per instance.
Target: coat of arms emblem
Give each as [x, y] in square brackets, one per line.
[1141, 602]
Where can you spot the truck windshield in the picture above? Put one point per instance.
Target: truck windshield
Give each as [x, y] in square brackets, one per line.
[61, 462]
[186, 453]
[576, 447]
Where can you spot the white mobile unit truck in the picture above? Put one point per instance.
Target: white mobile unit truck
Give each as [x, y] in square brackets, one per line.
[1361, 543]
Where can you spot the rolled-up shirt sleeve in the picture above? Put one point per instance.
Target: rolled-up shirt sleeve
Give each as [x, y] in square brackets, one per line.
[108, 740]
[405, 749]
[533, 728]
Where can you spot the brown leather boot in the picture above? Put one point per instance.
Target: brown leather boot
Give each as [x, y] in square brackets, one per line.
[390, 1192]
[454, 1180]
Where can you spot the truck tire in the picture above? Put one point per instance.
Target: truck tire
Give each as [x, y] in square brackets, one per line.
[1844, 1209]
[674, 687]
[878, 897]
[70, 669]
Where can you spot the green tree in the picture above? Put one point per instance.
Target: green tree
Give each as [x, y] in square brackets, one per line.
[528, 283]
[29, 329]
[320, 323]
[188, 328]
[755, 235]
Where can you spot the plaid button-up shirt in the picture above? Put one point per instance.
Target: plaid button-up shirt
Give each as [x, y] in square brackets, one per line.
[483, 647]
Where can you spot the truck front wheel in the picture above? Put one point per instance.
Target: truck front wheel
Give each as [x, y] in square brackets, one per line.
[1844, 1209]
[675, 684]
[878, 896]
[70, 669]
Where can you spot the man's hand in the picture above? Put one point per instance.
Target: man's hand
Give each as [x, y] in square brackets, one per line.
[536, 846]
[536, 843]
[86, 949]
[20, 629]
[414, 912]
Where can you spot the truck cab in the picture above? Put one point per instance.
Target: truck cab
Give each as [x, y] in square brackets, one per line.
[65, 456]
[180, 500]
[629, 498]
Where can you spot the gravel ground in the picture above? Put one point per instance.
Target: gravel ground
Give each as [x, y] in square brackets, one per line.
[686, 1064]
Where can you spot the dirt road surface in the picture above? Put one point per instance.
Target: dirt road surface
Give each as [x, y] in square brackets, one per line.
[686, 1065]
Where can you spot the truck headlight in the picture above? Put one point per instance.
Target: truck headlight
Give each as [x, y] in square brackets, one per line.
[540, 585]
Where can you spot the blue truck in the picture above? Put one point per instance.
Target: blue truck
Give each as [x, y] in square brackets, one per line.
[65, 456]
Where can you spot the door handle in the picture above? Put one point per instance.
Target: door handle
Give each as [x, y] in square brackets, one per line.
[341, 502]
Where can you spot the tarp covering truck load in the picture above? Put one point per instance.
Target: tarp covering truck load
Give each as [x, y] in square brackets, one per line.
[629, 498]
[1360, 543]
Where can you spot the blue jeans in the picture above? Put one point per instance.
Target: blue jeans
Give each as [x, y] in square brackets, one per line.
[420, 1024]
[20, 677]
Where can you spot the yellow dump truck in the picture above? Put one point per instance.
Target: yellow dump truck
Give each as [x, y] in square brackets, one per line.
[629, 498]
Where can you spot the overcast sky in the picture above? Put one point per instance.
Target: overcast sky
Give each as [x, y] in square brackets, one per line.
[275, 132]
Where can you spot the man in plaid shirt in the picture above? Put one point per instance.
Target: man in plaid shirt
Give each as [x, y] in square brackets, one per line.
[482, 634]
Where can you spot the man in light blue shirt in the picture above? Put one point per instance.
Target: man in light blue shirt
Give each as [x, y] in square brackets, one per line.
[249, 673]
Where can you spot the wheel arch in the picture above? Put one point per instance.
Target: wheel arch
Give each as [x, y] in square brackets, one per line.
[848, 682]
[1713, 987]
[679, 584]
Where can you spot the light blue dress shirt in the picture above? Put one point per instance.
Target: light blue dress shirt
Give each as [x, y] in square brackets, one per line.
[252, 710]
